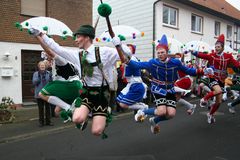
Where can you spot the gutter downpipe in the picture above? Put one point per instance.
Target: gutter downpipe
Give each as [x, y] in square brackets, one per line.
[237, 30]
[154, 18]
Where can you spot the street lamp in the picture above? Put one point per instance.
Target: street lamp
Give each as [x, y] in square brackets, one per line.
[6, 55]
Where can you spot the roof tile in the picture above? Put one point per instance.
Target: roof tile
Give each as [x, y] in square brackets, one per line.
[221, 6]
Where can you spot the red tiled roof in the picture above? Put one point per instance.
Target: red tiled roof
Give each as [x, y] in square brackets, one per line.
[221, 6]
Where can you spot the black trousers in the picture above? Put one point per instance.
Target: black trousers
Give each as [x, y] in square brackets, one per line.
[43, 109]
[52, 108]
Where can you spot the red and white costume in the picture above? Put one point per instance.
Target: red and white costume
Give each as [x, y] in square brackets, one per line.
[220, 62]
[183, 84]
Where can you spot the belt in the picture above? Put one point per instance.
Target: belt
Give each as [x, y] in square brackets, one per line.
[95, 88]
[220, 71]
[161, 82]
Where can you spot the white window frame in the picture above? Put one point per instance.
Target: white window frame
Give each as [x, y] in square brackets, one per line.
[196, 23]
[169, 16]
[215, 29]
[229, 38]
[33, 7]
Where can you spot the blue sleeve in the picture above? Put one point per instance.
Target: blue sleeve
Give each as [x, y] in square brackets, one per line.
[187, 70]
[139, 65]
[35, 80]
[49, 76]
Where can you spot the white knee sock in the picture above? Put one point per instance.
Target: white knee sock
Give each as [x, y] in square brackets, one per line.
[234, 93]
[138, 106]
[58, 102]
[224, 97]
[206, 88]
[185, 103]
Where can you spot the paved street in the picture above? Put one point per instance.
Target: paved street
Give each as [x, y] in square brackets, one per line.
[183, 138]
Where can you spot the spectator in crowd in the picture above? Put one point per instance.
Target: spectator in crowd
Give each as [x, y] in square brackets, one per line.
[146, 77]
[122, 82]
[49, 66]
[39, 80]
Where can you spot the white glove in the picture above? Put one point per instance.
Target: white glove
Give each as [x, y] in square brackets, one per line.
[126, 51]
[116, 41]
[34, 31]
[184, 50]
[43, 55]
[208, 71]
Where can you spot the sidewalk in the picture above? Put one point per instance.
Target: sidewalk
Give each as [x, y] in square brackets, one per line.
[25, 114]
[18, 131]
[26, 125]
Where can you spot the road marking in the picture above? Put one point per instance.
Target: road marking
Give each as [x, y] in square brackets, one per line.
[34, 134]
[33, 119]
[221, 158]
[216, 113]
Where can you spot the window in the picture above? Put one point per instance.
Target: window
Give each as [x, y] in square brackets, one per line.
[229, 32]
[33, 7]
[170, 16]
[197, 24]
[238, 34]
[217, 28]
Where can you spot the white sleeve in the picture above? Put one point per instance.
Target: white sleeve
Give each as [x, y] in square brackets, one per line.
[112, 55]
[60, 61]
[68, 54]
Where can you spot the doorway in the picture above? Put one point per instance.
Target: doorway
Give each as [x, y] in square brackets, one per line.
[30, 58]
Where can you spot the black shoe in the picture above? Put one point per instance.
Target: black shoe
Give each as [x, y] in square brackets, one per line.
[49, 124]
[84, 125]
[115, 113]
[40, 125]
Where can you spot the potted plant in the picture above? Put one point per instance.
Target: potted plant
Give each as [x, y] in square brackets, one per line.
[6, 105]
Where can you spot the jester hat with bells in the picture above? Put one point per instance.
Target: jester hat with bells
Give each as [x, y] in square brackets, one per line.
[163, 43]
[221, 40]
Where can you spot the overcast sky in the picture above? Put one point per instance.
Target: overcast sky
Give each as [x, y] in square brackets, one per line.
[235, 3]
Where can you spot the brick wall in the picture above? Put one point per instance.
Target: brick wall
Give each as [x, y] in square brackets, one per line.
[71, 12]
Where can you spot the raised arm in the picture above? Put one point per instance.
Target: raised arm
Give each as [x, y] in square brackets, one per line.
[46, 49]
[140, 65]
[189, 71]
[71, 55]
[234, 62]
[202, 55]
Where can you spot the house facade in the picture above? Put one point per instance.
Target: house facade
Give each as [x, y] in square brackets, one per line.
[183, 20]
[19, 52]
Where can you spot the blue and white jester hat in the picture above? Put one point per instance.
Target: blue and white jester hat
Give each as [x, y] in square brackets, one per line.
[163, 43]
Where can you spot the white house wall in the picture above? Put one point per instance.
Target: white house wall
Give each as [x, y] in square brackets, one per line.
[139, 14]
[135, 13]
[183, 33]
[12, 86]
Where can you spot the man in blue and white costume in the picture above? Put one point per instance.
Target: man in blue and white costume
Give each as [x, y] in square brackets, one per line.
[164, 71]
[132, 95]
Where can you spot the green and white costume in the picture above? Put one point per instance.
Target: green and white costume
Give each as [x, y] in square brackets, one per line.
[66, 83]
[97, 79]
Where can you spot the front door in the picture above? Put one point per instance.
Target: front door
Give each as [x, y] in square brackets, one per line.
[30, 59]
